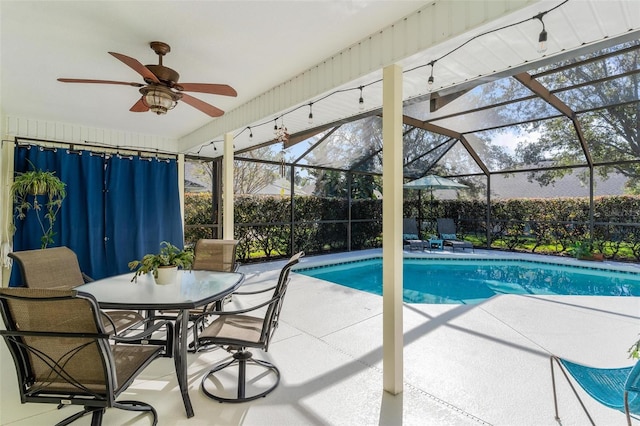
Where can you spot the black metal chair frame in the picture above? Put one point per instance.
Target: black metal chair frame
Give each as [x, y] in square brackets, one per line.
[94, 401]
[198, 317]
[43, 260]
[238, 346]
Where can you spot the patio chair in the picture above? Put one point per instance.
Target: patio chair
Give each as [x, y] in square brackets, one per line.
[411, 235]
[63, 354]
[448, 235]
[215, 255]
[617, 388]
[237, 331]
[209, 255]
[58, 268]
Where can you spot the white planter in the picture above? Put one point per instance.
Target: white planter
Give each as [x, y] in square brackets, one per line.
[167, 274]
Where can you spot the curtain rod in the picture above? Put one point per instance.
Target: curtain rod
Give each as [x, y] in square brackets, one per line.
[97, 147]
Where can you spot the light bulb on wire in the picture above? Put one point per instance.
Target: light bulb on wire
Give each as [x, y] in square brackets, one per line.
[361, 100]
[311, 113]
[431, 80]
[542, 38]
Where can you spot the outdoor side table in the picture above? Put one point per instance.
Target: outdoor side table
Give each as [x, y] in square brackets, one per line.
[435, 244]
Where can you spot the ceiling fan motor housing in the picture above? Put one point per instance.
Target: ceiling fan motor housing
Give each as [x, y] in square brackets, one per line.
[165, 74]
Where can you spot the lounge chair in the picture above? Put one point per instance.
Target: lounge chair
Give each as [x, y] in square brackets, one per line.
[411, 235]
[447, 232]
[617, 388]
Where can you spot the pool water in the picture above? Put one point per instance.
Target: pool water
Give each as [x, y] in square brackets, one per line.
[472, 281]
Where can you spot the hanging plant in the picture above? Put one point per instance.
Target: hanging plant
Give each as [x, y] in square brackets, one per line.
[29, 189]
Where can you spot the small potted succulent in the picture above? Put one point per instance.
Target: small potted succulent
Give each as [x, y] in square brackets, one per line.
[164, 265]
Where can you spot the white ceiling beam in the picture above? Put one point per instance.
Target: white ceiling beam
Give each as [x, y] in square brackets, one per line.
[427, 27]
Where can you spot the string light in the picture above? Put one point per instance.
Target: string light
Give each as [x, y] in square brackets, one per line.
[431, 80]
[281, 132]
[542, 38]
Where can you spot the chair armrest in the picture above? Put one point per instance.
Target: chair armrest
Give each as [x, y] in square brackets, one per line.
[147, 332]
[242, 311]
[243, 293]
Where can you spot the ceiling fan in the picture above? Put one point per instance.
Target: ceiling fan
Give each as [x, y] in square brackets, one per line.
[162, 90]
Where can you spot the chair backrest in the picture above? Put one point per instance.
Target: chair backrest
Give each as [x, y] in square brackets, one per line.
[59, 346]
[272, 315]
[53, 268]
[410, 226]
[215, 255]
[446, 226]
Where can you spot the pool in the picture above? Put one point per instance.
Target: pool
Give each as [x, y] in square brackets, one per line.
[472, 281]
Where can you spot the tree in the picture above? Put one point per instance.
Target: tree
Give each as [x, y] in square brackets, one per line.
[605, 97]
[248, 176]
[353, 145]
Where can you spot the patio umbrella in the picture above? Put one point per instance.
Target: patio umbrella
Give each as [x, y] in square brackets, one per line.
[432, 182]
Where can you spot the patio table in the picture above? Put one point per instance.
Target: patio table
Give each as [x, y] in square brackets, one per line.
[191, 290]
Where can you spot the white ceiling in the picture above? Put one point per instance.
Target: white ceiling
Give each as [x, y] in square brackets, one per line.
[254, 46]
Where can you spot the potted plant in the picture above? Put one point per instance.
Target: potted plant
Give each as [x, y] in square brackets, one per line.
[583, 250]
[29, 188]
[164, 265]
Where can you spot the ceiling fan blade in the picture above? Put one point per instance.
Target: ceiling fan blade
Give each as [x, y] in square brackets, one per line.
[139, 107]
[80, 80]
[136, 66]
[208, 109]
[215, 89]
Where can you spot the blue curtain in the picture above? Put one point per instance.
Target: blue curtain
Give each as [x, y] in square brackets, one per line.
[116, 209]
[142, 209]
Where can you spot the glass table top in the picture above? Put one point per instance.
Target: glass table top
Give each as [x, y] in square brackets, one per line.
[191, 289]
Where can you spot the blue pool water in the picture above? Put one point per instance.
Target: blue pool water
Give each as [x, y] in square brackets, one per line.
[472, 281]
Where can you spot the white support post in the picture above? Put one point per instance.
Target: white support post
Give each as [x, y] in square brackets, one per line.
[392, 337]
[227, 188]
[180, 163]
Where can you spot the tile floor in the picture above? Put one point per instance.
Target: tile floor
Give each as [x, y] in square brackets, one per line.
[463, 364]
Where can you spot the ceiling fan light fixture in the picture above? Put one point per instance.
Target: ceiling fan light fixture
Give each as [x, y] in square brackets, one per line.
[159, 99]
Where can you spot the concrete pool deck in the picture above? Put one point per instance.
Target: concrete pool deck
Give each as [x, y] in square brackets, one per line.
[463, 364]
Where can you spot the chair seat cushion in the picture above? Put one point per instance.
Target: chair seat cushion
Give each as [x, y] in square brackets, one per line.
[234, 329]
[410, 237]
[449, 236]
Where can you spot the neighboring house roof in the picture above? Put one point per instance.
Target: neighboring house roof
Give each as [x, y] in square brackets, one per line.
[518, 186]
[280, 186]
[191, 186]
